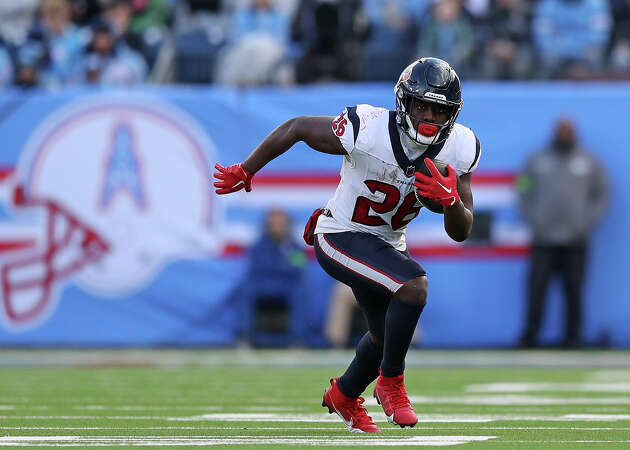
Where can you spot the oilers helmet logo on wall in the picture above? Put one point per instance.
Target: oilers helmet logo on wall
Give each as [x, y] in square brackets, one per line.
[94, 182]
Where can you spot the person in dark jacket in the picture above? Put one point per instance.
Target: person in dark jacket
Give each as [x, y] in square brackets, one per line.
[274, 281]
[563, 194]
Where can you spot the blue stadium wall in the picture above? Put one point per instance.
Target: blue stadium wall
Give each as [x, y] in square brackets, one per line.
[110, 234]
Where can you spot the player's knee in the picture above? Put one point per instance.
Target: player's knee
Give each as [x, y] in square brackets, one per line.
[377, 340]
[414, 291]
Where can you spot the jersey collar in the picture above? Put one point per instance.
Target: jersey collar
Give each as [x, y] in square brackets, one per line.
[409, 167]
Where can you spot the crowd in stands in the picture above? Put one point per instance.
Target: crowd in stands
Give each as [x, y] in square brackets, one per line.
[54, 43]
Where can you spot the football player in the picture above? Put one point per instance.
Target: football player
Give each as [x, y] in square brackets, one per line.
[359, 237]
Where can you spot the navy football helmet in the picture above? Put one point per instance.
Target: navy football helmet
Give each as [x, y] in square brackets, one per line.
[429, 80]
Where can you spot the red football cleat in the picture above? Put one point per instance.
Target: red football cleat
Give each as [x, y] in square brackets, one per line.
[390, 393]
[350, 409]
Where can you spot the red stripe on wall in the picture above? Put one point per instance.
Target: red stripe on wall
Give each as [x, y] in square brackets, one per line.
[471, 251]
[5, 172]
[493, 178]
[15, 245]
[325, 178]
[437, 251]
[328, 179]
[296, 178]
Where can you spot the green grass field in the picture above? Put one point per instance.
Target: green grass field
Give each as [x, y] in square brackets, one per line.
[170, 399]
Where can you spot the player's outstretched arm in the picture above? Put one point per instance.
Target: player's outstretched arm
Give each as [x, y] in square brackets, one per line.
[316, 131]
[458, 218]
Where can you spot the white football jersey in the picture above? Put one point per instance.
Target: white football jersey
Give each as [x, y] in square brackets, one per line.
[376, 191]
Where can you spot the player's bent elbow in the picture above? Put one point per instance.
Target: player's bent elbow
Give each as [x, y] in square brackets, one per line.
[298, 127]
[459, 235]
[293, 128]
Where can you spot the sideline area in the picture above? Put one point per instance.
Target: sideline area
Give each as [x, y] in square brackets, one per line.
[305, 358]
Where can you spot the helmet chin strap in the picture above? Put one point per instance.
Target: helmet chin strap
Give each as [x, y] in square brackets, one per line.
[413, 148]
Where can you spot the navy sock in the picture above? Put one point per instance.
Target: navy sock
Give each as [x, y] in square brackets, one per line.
[400, 323]
[363, 369]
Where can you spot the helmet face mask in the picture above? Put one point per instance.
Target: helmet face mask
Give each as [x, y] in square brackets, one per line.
[431, 83]
[423, 130]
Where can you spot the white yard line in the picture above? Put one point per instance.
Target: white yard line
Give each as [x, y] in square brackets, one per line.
[307, 428]
[90, 441]
[380, 417]
[618, 375]
[85, 417]
[615, 387]
[581, 441]
[514, 399]
[187, 428]
[598, 416]
[147, 408]
[328, 418]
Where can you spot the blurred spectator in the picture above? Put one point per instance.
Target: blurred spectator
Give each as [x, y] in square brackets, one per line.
[201, 30]
[16, 17]
[63, 41]
[151, 14]
[391, 41]
[340, 321]
[273, 294]
[6, 67]
[83, 12]
[620, 45]
[330, 34]
[257, 45]
[118, 13]
[109, 60]
[203, 5]
[30, 59]
[571, 36]
[191, 14]
[447, 33]
[151, 20]
[345, 322]
[563, 195]
[508, 50]
[260, 16]
[478, 9]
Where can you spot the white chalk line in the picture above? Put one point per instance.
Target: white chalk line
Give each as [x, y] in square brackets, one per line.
[88, 441]
[308, 418]
[514, 399]
[609, 375]
[148, 408]
[615, 387]
[66, 417]
[327, 418]
[380, 417]
[495, 400]
[304, 428]
[187, 428]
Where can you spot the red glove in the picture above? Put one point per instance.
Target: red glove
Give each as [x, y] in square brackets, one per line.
[309, 229]
[438, 187]
[232, 178]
